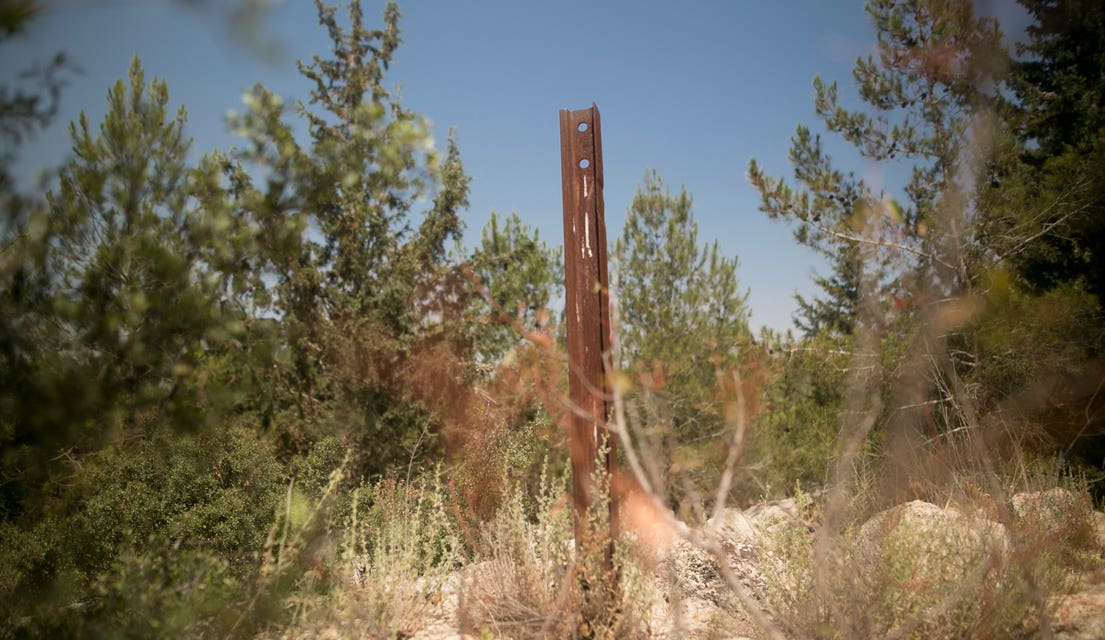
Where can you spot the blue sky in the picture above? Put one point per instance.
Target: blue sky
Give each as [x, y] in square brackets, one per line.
[692, 89]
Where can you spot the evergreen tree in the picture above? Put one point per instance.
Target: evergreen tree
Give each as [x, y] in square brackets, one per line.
[115, 307]
[358, 281]
[678, 302]
[1058, 188]
[997, 189]
[904, 262]
[520, 276]
[836, 311]
[1046, 199]
[1059, 77]
[936, 66]
[682, 316]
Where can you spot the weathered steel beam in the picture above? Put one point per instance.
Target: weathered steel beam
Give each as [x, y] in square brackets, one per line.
[588, 313]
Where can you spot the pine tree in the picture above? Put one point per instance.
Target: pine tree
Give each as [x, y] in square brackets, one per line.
[969, 285]
[682, 316]
[1046, 205]
[123, 309]
[520, 276]
[937, 66]
[907, 261]
[836, 311]
[357, 280]
[1059, 76]
[1059, 82]
[676, 299]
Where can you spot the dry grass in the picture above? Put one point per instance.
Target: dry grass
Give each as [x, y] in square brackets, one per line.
[391, 571]
[527, 580]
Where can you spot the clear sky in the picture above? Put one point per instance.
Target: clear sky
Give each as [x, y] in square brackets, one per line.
[692, 89]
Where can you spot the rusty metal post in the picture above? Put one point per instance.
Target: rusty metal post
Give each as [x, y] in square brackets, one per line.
[588, 312]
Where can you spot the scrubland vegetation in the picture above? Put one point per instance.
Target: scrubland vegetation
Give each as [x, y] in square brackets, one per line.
[267, 393]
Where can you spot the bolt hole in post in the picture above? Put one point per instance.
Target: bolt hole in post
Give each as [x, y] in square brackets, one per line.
[582, 127]
[584, 163]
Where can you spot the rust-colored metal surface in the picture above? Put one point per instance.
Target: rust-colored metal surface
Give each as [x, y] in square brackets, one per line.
[587, 309]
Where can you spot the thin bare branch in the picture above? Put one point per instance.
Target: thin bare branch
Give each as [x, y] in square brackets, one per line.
[736, 447]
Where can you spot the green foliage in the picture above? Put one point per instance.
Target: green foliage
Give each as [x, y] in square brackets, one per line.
[935, 67]
[1044, 202]
[397, 546]
[1053, 183]
[356, 284]
[152, 590]
[682, 316]
[520, 276]
[977, 291]
[793, 439]
[167, 525]
[158, 591]
[835, 312]
[228, 501]
[127, 279]
[312, 471]
[113, 310]
[202, 359]
[681, 309]
[1058, 76]
[177, 336]
[1033, 337]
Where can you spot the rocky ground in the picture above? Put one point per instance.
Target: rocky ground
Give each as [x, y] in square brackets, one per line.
[701, 604]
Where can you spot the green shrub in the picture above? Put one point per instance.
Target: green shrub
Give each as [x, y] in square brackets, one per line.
[151, 528]
[385, 567]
